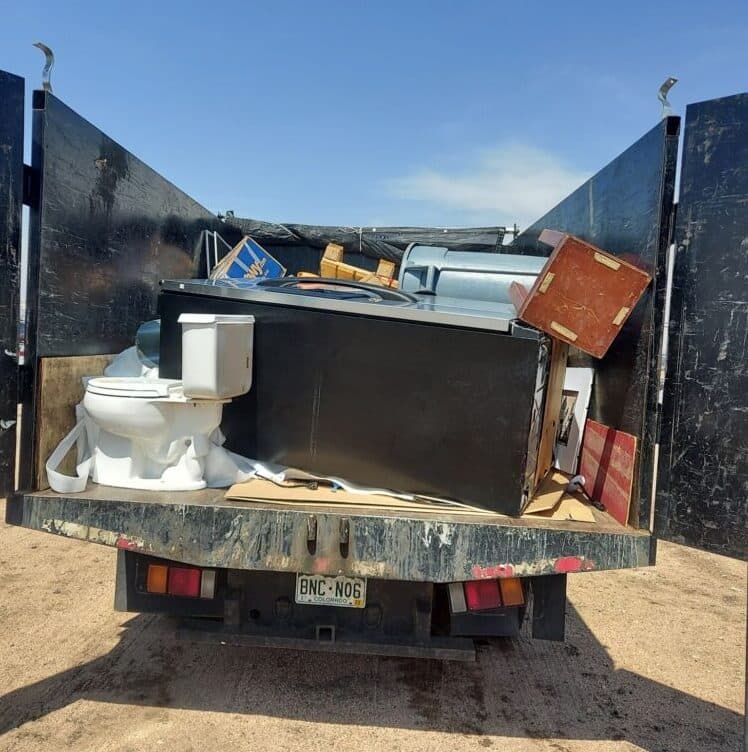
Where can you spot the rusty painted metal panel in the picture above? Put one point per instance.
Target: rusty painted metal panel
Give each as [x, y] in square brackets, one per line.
[399, 547]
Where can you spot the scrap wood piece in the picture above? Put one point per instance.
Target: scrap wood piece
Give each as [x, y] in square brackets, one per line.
[332, 266]
[385, 269]
[333, 252]
[583, 295]
[608, 464]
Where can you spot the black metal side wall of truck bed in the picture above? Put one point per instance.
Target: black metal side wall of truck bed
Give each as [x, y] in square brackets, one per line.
[11, 197]
[702, 490]
[105, 230]
[626, 209]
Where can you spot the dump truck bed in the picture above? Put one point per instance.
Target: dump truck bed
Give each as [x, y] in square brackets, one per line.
[206, 529]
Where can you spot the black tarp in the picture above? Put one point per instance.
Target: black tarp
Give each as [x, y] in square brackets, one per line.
[299, 247]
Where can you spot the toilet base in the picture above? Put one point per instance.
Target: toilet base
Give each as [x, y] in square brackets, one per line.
[126, 463]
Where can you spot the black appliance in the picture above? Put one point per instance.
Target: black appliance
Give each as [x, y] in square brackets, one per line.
[431, 395]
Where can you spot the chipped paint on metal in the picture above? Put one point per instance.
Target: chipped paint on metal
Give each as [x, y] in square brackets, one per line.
[438, 531]
[498, 570]
[129, 545]
[568, 564]
[564, 564]
[71, 529]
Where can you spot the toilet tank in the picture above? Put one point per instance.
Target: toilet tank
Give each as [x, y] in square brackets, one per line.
[216, 355]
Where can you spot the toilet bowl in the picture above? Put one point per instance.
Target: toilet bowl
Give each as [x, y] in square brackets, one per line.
[142, 430]
[154, 434]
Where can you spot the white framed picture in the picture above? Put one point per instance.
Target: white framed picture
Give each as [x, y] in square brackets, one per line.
[574, 405]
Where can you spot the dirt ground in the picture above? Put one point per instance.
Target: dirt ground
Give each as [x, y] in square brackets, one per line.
[654, 660]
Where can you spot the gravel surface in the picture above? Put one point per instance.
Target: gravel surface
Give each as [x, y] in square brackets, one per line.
[654, 660]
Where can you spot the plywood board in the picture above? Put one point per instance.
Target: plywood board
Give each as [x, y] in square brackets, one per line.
[60, 390]
[608, 462]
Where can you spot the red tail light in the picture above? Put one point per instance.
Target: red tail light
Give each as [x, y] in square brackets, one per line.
[482, 594]
[184, 581]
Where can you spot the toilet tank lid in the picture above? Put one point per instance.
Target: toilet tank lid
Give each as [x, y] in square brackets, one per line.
[133, 387]
[215, 318]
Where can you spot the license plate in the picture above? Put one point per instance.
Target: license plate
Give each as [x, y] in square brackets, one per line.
[326, 590]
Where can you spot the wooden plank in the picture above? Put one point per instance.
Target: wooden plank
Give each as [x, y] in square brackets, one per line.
[385, 269]
[60, 390]
[332, 266]
[607, 464]
[553, 394]
[333, 252]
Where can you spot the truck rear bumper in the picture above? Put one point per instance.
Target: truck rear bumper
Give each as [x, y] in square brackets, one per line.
[445, 649]
[205, 529]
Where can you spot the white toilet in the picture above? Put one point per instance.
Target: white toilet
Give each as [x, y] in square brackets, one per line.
[154, 434]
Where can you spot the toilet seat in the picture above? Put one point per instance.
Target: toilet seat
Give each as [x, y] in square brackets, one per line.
[136, 387]
[139, 387]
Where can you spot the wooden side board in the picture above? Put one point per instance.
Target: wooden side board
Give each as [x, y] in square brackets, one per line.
[60, 390]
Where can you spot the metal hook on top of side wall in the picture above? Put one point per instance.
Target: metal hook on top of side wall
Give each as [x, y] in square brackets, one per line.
[50, 61]
[670, 81]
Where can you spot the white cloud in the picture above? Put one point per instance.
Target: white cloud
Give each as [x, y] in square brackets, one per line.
[510, 183]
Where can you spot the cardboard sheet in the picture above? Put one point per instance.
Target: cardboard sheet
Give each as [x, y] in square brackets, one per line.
[549, 493]
[259, 489]
[553, 501]
[569, 508]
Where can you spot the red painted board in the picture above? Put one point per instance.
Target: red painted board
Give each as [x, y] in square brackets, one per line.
[607, 464]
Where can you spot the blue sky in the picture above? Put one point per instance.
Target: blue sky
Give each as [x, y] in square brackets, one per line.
[432, 113]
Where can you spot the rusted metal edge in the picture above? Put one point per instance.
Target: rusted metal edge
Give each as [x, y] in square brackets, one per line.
[396, 548]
